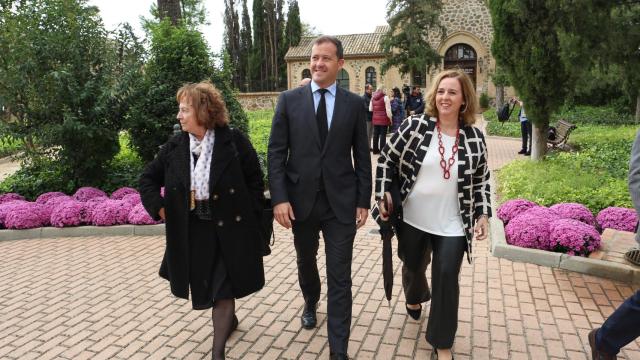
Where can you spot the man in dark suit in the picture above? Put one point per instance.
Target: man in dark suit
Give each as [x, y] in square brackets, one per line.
[320, 179]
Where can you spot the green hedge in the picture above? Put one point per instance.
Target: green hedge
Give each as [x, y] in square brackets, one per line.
[594, 175]
[259, 130]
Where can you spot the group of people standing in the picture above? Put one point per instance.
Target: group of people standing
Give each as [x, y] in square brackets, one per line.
[320, 180]
[385, 112]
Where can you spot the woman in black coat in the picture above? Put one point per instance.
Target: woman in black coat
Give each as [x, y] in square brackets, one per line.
[213, 196]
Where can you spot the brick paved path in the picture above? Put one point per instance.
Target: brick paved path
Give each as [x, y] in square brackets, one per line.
[98, 298]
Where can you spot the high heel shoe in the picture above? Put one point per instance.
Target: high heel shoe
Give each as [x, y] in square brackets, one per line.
[414, 313]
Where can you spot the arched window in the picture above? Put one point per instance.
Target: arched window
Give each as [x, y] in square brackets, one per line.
[464, 57]
[370, 76]
[306, 73]
[343, 79]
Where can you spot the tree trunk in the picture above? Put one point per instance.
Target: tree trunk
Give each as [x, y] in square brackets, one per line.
[499, 97]
[539, 142]
[170, 8]
[638, 108]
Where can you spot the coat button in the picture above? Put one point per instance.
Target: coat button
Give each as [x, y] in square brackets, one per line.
[232, 191]
[220, 223]
[215, 196]
[238, 218]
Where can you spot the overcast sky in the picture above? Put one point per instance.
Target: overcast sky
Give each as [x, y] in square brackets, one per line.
[333, 17]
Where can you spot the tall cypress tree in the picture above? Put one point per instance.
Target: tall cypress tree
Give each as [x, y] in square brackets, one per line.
[406, 43]
[245, 48]
[293, 30]
[527, 47]
[170, 9]
[232, 39]
[258, 53]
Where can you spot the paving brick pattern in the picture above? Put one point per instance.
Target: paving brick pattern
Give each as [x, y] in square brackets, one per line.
[94, 298]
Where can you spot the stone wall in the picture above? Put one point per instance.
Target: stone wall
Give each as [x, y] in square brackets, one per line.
[258, 100]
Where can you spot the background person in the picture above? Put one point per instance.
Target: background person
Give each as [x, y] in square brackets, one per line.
[320, 180]
[381, 109]
[397, 110]
[415, 102]
[368, 92]
[525, 129]
[211, 206]
[442, 207]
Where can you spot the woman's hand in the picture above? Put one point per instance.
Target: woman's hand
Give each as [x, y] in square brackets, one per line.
[384, 212]
[481, 230]
[161, 213]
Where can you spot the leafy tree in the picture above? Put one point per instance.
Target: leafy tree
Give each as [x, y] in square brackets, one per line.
[527, 47]
[178, 55]
[500, 79]
[65, 85]
[406, 45]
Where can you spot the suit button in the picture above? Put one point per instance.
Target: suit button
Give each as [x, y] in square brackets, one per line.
[220, 223]
[238, 218]
[215, 196]
[232, 191]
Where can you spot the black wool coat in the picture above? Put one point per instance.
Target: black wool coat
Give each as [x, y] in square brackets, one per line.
[236, 187]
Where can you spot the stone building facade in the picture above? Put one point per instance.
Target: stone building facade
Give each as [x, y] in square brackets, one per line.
[466, 44]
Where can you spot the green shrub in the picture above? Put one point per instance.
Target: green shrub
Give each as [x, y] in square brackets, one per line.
[584, 114]
[9, 146]
[259, 131]
[484, 100]
[507, 128]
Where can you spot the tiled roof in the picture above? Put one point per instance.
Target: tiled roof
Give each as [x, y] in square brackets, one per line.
[354, 45]
[382, 29]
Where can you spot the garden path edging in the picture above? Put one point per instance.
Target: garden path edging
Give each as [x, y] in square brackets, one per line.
[79, 231]
[602, 268]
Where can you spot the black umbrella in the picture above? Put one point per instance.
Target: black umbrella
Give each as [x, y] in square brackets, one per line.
[388, 228]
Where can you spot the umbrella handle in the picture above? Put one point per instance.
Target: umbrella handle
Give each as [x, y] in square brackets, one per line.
[388, 203]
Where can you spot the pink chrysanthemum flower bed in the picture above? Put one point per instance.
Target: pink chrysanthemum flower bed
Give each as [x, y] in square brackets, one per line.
[569, 228]
[88, 206]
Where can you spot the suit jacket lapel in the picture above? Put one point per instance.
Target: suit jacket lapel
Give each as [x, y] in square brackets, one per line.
[309, 114]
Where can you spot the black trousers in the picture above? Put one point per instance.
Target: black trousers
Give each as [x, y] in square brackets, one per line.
[621, 327]
[338, 242]
[417, 249]
[379, 137]
[526, 130]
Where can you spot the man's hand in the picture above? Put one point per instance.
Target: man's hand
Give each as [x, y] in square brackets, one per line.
[161, 213]
[361, 217]
[481, 229]
[283, 213]
[412, 112]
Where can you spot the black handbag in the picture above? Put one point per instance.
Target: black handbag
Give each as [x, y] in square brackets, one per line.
[266, 224]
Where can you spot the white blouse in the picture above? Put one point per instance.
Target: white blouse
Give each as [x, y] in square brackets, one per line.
[432, 205]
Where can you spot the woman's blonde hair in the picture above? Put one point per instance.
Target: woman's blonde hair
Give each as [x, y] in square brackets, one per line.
[470, 101]
[210, 108]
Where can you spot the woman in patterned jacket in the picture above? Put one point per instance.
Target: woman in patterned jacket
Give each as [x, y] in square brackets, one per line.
[441, 162]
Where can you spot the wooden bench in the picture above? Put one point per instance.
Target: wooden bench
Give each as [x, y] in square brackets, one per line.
[563, 129]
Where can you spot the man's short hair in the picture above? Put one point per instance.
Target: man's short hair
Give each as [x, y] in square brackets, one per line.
[332, 39]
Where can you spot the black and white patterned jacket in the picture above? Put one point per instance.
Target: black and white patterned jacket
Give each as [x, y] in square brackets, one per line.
[406, 151]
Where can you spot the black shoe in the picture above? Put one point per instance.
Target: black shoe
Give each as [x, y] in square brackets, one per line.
[434, 355]
[595, 353]
[528, 153]
[308, 318]
[415, 314]
[522, 152]
[338, 357]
